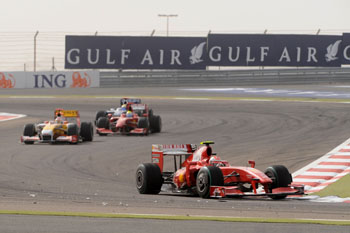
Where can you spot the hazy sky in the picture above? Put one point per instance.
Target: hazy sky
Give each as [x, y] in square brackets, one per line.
[193, 15]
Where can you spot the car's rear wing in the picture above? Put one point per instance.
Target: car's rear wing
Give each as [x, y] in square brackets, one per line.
[130, 100]
[175, 150]
[67, 113]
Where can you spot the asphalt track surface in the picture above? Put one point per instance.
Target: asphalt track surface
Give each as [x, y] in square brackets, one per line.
[100, 176]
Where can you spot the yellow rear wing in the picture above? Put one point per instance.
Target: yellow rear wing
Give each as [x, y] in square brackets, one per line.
[67, 113]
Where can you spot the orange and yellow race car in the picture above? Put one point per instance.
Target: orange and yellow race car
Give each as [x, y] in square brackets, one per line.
[201, 172]
[66, 127]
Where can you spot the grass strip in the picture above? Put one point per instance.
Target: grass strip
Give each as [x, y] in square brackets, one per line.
[340, 188]
[181, 217]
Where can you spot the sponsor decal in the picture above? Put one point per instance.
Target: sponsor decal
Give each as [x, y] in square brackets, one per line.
[196, 53]
[7, 80]
[50, 80]
[80, 81]
[332, 51]
[155, 160]
[174, 146]
[273, 50]
[127, 52]
[123, 52]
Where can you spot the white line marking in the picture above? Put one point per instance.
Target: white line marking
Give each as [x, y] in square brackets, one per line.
[179, 98]
[11, 116]
[31, 97]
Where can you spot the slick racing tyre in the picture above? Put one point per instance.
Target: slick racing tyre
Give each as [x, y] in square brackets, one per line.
[280, 177]
[150, 113]
[100, 114]
[148, 178]
[143, 123]
[103, 122]
[86, 131]
[29, 130]
[208, 176]
[156, 124]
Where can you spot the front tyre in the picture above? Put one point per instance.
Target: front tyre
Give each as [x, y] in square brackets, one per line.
[148, 178]
[86, 131]
[280, 177]
[143, 123]
[156, 124]
[207, 177]
[72, 130]
[103, 122]
[29, 130]
[100, 114]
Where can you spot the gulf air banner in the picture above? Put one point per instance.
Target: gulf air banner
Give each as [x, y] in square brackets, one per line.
[126, 52]
[40, 80]
[345, 50]
[274, 50]
[120, 52]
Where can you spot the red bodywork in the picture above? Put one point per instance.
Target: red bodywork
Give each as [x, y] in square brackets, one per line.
[124, 124]
[235, 177]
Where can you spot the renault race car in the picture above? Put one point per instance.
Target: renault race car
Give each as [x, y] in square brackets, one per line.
[133, 118]
[65, 128]
[201, 172]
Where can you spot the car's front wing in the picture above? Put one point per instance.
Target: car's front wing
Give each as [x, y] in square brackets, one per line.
[138, 131]
[70, 139]
[234, 191]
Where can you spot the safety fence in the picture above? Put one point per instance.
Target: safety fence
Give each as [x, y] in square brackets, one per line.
[224, 77]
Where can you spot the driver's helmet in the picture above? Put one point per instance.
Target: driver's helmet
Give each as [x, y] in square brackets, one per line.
[129, 114]
[123, 108]
[117, 112]
[58, 120]
[216, 161]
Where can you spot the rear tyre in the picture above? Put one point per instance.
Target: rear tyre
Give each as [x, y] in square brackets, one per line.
[207, 177]
[100, 114]
[148, 178]
[280, 177]
[86, 131]
[29, 130]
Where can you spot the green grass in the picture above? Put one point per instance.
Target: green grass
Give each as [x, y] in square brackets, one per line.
[340, 188]
[182, 218]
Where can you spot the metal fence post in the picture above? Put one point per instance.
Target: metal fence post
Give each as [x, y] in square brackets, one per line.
[36, 34]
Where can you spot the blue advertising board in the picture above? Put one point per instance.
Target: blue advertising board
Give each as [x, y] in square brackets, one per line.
[346, 49]
[273, 50]
[126, 52]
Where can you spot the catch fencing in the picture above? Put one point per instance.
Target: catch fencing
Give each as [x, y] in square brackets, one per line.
[224, 77]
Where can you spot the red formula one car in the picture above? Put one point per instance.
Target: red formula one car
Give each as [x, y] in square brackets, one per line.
[132, 118]
[203, 173]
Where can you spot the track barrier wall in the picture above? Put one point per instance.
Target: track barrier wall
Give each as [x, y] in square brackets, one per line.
[224, 78]
[56, 79]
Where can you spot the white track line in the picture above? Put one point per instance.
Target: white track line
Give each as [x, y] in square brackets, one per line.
[4, 116]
